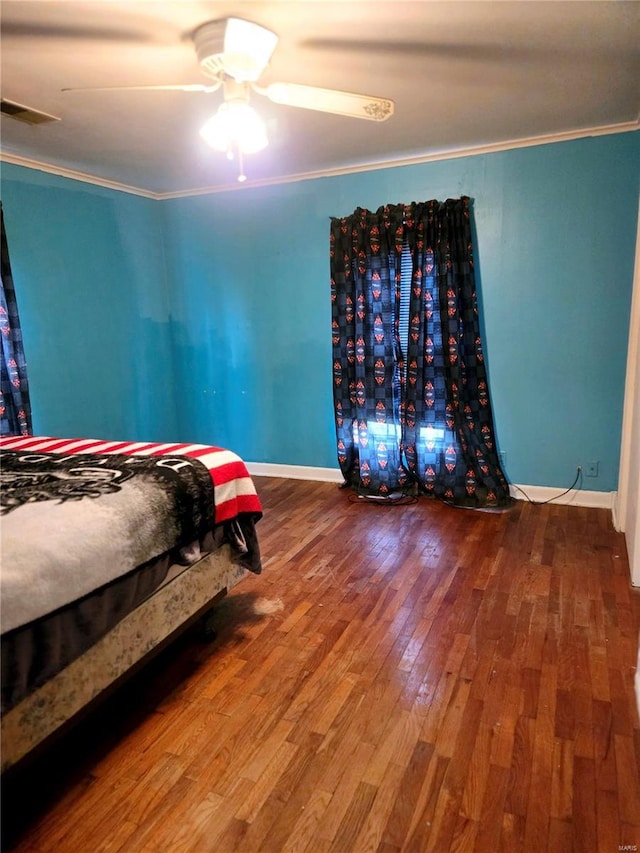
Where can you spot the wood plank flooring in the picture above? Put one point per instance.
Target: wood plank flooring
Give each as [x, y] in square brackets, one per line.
[423, 679]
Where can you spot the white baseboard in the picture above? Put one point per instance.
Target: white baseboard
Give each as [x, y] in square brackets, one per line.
[580, 497]
[600, 500]
[295, 472]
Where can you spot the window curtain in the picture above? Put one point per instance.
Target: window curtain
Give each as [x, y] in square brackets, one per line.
[15, 409]
[367, 360]
[433, 399]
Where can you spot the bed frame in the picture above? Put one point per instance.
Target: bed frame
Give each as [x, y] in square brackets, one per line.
[47, 713]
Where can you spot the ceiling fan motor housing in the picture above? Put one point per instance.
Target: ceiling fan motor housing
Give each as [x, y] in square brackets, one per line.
[235, 48]
[209, 43]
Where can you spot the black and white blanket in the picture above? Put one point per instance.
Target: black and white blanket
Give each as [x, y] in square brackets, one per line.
[72, 523]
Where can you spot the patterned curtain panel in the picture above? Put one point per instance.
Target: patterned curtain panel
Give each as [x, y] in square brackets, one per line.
[448, 435]
[439, 404]
[15, 409]
[365, 276]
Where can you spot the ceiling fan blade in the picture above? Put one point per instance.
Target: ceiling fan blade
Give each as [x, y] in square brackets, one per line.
[186, 87]
[329, 101]
[467, 52]
[34, 30]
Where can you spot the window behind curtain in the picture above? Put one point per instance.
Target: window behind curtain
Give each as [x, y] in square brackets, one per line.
[405, 296]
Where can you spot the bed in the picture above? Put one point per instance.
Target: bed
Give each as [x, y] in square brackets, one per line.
[109, 549]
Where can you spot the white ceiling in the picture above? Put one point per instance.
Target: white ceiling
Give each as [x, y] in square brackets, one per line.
[462, 75]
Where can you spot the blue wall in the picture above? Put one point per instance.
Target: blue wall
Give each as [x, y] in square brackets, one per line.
[243, 327]
[556, 227]
[89, 272]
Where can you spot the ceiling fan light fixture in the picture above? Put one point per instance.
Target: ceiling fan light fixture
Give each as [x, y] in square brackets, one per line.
[235, 127]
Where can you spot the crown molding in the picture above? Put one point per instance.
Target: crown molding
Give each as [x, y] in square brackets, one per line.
[508, 145]
[585, 133]
[83, 177]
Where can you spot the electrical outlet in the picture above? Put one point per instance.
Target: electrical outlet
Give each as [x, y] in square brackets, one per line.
[591, 469]
[503, 457]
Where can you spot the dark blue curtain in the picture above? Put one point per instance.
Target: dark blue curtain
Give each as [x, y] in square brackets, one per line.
[367, 360]
[15, 409]
[434, 398]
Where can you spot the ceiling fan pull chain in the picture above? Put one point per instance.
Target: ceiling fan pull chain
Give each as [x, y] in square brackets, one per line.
[241, 176]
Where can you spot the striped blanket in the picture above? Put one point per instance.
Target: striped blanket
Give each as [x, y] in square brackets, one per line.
[77, 514]
[234, 492]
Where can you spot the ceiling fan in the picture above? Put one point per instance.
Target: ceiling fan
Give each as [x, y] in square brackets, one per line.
[234, 53]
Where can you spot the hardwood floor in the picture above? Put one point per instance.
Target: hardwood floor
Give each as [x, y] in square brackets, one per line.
[409, 678]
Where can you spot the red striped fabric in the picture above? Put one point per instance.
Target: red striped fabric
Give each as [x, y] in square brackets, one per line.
[234, 490]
